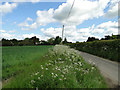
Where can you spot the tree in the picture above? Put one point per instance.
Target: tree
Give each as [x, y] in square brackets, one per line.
[107, 37]
[57, 40]
[92, 39]
[6, 42]
[44, 42]
[14, 42]
[65, 41]
[21, 42]
[27, 41]
[35, 40]
[51, 40]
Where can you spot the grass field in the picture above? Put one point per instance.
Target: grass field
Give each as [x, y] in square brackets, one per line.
[16, 59]
[36, 67]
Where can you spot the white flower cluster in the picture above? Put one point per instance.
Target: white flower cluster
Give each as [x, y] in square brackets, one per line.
[61, 65]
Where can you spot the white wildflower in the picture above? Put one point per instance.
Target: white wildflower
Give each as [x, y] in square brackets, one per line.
[92, 68]
[39, 78]
[62, 75]
[41, 67]
[72, 56]
[64, 78]
[56, 74]
[32, 81]
[60, 79]
[46, 68]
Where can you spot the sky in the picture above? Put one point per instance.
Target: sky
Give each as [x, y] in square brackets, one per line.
[88, 18]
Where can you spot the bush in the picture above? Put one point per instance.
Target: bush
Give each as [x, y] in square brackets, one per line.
[108, 49]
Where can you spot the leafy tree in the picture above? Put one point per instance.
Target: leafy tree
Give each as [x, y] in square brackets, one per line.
[27, 41]
[92, 39]
[51, 40]
[65, 41]
[14, 42]
[57, 40]
[118, 36]
[20, 42]
[6, 42]
[107, 37]
[44, 42]
[35, 40]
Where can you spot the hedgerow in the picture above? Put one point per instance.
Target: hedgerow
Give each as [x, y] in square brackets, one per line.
[109, 49]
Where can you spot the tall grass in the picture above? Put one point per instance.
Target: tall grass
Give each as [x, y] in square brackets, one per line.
[56, 70]
[16, 59]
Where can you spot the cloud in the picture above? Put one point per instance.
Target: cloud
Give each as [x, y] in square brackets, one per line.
[33, 1]
[108, 24]
[14, 22]
[70, 32]
[79, 13]
[6, 35]
[7, 7]
[11, 31]
[1, 22]
[24, 24]
[52, 32]
[2, 31]
[82, 10]
[114, 9]
[43, 18]
[29, 19]
[106, 28]
[97, 31]
[73, 34]
[41, 37]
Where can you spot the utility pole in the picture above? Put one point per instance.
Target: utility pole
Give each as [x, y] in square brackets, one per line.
[62, 33]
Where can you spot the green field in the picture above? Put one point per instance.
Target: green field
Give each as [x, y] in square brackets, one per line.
[39, 67]
[16, 59]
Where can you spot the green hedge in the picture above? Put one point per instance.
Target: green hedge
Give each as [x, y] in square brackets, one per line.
[109, 49]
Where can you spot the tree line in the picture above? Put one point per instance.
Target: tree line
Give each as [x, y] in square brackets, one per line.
[108, 37]
[32, 41]
[52, 41]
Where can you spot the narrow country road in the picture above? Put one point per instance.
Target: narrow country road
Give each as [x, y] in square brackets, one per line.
[108, 69]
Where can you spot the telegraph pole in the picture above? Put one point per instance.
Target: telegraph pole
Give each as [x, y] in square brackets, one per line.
[62, 33]
[66, 20]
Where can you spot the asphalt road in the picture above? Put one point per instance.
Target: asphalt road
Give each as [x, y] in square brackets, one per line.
[108, 69]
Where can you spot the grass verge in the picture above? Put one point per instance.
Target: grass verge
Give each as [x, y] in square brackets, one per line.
[56, 70]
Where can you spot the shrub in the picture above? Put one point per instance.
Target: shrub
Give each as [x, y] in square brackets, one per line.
[108, 49]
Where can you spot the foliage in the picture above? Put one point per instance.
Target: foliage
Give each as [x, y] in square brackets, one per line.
[31, 41]
[92, 39]
[51, 40]
[104, 48]
[57, 40]
[65, 41]
[111, 37]
[55, 70]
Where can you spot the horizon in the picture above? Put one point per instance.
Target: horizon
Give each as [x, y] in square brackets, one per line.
[55, 37]
[45, 19]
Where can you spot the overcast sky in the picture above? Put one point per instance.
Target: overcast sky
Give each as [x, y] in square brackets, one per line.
[45, 19]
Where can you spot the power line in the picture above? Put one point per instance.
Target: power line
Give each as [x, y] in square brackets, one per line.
[68, 17]
[70, 9]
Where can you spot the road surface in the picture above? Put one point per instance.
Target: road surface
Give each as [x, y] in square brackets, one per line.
[108, 69]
